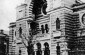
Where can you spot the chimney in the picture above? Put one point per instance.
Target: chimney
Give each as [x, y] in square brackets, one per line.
[1, 31]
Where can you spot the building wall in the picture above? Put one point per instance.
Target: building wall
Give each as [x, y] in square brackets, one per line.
[21, 11]
[10, 41]
[23, 24]
[65, 37]
[81, 31]
[12, 38]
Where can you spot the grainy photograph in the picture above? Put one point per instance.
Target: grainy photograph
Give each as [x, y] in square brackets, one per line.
[42, 27]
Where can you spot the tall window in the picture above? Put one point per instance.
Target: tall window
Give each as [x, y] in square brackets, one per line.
[39, 52]
[58, 49]
[42, 28]
[20, 31]
[46, 51]
[15, 33]
[57, 24]
[19, 52]
[46, 28]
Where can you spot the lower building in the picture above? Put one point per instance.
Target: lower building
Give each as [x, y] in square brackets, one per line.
[4, 43]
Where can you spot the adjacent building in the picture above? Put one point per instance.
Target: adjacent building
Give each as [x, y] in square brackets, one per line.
[4, 43]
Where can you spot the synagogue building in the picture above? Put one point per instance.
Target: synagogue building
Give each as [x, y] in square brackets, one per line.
[50, 27]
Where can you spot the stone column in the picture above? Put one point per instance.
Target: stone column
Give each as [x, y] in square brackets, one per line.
[42, 51]
[35, 51]
[28, 27]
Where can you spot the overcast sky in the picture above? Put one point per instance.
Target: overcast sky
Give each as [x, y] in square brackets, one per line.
[8, 12]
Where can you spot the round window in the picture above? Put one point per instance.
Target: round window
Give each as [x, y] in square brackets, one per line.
[83, 18]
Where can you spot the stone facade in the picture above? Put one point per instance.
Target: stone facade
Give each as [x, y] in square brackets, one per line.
[60, 31]
[12, 39]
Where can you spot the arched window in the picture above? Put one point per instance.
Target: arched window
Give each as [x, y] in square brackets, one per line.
[42, 28]
[39, 52]
[57, 24]
[19, 52]
[20, 31]
[46, 51]
[46, 28]
[58, 49]
[30, 48]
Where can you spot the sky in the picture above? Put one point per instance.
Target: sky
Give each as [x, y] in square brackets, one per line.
[8, 12]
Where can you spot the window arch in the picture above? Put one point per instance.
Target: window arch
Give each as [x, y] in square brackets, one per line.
[57, 24]
[46, 51]
[38, 45]
[42, 28]
[39, 51]
[46, 28]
